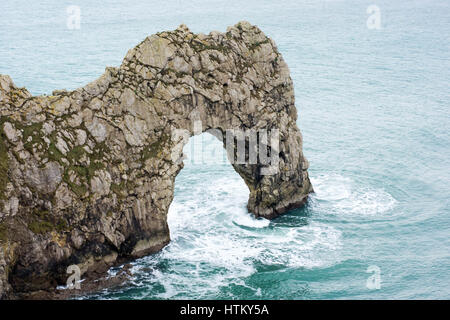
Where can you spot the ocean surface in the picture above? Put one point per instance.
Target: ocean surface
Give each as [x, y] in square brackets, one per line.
[374, 110]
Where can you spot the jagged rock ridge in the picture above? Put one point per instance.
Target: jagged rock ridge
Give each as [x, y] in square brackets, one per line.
[87, 176]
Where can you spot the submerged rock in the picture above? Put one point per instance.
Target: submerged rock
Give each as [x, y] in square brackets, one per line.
[87, 177]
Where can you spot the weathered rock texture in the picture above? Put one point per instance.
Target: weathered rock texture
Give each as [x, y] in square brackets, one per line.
[87, 176]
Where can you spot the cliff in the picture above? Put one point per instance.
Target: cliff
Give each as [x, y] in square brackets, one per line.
[87, 176]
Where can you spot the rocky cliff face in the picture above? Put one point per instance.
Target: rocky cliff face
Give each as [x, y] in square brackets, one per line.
[87, 176]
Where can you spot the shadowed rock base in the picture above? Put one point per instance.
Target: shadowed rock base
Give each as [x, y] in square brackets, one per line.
[87, 176]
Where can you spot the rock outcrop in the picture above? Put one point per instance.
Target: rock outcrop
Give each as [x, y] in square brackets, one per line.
[87, 176]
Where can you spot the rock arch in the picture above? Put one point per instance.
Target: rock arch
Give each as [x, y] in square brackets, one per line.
[87, 176]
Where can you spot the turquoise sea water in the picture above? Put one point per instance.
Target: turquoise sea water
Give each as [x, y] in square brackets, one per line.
[374, 110]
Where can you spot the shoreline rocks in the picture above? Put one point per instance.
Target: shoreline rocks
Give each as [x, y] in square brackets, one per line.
[87, 176]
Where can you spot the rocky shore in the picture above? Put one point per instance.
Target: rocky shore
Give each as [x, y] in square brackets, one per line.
[87, 176]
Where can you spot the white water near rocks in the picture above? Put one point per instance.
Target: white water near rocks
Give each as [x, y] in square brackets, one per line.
[373, 110]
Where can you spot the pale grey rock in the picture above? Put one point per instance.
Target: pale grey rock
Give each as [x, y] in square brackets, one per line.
[63, 197]
[154, 52]
[95, 104]
[62, 145]
[11, 133]
[128, 98]
[48, 127]
[101, 183]
[77, 238]
[135, 130]
[75, 120]
[93, 181]
[97, 128]
[44, 180]
[62, 105]
[81, 137]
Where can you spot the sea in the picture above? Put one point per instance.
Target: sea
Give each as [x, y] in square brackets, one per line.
[372, 89]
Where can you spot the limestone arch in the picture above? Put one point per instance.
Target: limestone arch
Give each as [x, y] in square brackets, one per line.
[88, 175]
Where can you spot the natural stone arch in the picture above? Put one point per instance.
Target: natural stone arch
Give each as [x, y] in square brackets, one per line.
[88, 175]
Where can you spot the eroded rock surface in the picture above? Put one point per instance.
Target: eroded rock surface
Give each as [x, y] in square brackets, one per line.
[87, 176]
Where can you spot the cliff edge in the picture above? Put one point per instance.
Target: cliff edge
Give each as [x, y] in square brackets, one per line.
[87, 176]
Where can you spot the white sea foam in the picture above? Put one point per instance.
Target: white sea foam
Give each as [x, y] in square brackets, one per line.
[216, 242]
[347, 197]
